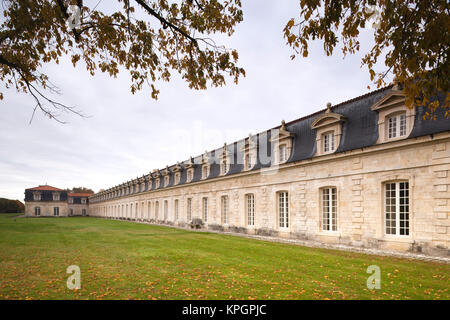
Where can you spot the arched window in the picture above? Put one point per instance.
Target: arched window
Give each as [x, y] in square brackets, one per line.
[396, 125]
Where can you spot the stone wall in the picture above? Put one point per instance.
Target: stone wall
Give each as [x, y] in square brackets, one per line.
[46, 208]
[359, 177]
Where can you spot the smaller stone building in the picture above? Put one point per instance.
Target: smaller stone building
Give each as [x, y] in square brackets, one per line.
[48, 201]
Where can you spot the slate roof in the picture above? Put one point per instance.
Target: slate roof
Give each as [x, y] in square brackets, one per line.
[359, 130]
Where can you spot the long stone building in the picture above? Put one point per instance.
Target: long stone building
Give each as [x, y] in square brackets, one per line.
[367, 172]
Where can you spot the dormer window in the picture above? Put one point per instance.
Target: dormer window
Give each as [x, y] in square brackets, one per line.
[248, 161]
[37, 196]
[205, 171]
[249, 149]
[328, 128]
[205, 166]
[328, 142]
[282, 153]
[83, 200]
[190, 175]
[177, 173]
[282, 140]
[55, 196]
[189, 170]
[70, 200]
[396, 125]
[395, 119]
[226, 160]
[225, 166]
[157, 183]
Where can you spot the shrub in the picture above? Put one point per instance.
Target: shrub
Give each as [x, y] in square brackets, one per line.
[196, 223]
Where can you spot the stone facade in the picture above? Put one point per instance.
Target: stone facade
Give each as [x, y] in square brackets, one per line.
[369, 172]
[48, 201]
[359, 177]
[46, 208]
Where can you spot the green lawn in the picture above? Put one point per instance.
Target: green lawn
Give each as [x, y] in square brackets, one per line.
[122, 260]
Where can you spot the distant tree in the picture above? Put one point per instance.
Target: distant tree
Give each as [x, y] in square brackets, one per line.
[412, 36]
[149, 38]
[80, 190]
[11, 206]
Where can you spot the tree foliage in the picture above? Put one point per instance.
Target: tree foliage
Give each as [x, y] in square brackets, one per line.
[11, 206]
[80, 190]
[412, 36]
[150, 38]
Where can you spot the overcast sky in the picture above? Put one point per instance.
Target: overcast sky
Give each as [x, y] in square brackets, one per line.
[129, 135]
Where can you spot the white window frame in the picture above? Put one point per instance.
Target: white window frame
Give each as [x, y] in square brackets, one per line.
[329, 206]
[156, 210]
[328, 142]
[37, 211]
[392, 209]
[175, 209]
[248, 161]
[190, 175]
[225, 166]
[166, 181]
[37, 196]
[56, 211]
[397, 125]
[225, 209]
[189, 209]
[166, 210]
[282, 153]
[56, 196]
[250, 209]
[205, 209]
[283, 209]
[205, 171]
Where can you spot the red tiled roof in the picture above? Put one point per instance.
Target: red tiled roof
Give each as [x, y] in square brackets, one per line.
[47, 188]
[80, 194]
